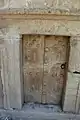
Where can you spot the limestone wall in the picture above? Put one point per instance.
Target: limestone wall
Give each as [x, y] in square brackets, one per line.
[55, 4]
[14, 24]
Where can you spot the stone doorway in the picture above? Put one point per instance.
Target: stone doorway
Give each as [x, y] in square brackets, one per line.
[44, 66]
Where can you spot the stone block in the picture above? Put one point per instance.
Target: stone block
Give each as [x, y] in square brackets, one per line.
[78, 101]
[15, 79]
[12, 72]
[70, 103]
[78, 104]
[74, 58]
[72, 80]
[71, 98]
[71, 91]
[56, 4]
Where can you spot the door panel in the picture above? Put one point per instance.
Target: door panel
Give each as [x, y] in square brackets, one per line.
[54, 57]
[43, 59]
[33, 50]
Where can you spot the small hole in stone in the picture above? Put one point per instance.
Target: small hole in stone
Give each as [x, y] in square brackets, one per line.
[49, 11]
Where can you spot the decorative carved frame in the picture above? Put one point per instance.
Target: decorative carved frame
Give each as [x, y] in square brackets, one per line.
[27, 24]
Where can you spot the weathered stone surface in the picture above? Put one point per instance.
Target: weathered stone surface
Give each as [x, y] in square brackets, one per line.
[29, 115]
[55, 48]
[72, 80]
[12, 70]
[44, 83]
[72, 87]
[52, 26]
[74, 58]
[33, 51]
[5, 117]
[70, 103]
[78, 100]
[78, 104]
[71, 91]
[1, 86]
[56, 4]
[4, 75]
[48, 27]
[14, 73]
[57, 26]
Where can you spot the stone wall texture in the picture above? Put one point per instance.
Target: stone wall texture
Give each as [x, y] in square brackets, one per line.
[43, 17]
[55, 4]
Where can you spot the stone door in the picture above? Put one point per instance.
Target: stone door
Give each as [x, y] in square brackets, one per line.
[44, 59]
[33, 52]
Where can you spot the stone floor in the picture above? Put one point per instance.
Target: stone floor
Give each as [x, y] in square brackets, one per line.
[32, 116]
[37, 112]
[45, 108]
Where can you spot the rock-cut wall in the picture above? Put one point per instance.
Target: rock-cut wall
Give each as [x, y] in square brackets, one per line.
[55, 4]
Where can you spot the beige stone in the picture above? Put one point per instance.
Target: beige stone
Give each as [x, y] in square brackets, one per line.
[71, 91]
[72, 80]
[56, 25]
[12, 71]
[74, 59]
[51, 17]
[56, 4]
[71, 100]
[47, 27]
[1, 87]
[78, 100]
[78, 104]
[70, 103]
[4, 77]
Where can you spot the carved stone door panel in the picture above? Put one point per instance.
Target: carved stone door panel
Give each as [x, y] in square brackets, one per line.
[54, 63]
[33, 51]
[43, 61]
